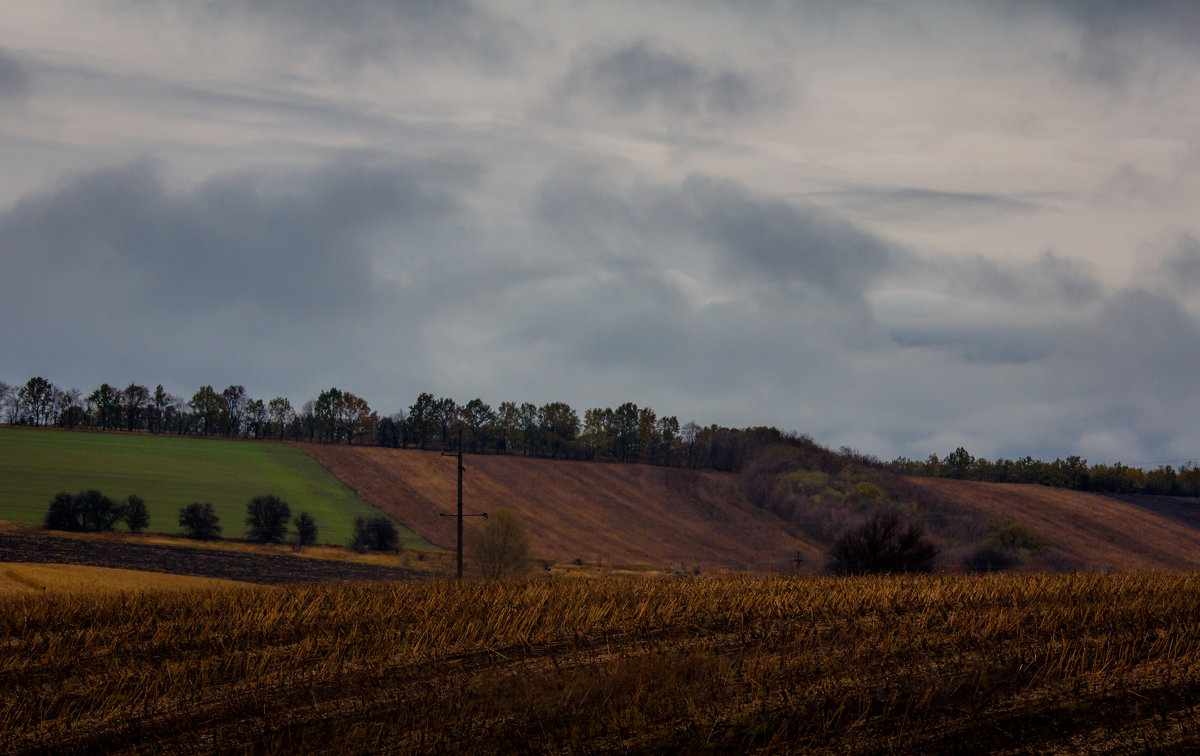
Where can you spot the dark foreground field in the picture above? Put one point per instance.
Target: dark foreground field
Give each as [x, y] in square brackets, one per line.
[1028, 664]
[273, 569]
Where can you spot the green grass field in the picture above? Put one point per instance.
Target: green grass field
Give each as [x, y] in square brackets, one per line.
[170, 473]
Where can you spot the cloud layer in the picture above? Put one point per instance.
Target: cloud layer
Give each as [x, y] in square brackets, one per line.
[900, 227]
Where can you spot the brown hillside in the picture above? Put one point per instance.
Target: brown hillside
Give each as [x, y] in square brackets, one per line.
[622, 515]
[1087, 531]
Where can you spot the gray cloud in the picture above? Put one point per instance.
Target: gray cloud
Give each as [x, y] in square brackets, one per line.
[1181, 268]
[1118, 38]
[985, 346]
[649, 76]
[370, 32]
[916, 203]
[114, 263]
[751, 237]
[1050, 277]
[14, 77]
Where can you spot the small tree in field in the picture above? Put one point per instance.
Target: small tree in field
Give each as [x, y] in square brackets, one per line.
[267, 518]
[499, 547]
[882, 544]
[374, 534]
[137, 517]
[200, 521]
[306, 530]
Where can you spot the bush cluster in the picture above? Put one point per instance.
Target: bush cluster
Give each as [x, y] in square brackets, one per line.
[93, 511]
[374, 534]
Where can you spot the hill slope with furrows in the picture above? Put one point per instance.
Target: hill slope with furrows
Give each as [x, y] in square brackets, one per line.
[637, 515]
[1082, 530]
[611, 514]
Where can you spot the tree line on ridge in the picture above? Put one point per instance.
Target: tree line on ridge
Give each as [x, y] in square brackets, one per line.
[627, 433]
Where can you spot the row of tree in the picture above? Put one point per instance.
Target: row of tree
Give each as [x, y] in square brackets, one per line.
[627, 433]
[1073, 472]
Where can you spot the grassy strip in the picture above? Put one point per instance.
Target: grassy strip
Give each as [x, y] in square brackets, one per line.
[998, 663]
[171, 472]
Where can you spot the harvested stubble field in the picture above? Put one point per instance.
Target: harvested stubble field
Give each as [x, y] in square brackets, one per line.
[1033, 663]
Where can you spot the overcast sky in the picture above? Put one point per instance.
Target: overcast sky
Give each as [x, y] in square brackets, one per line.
[898, 226]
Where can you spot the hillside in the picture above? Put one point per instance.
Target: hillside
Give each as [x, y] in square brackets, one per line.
[169, 473]
[651, 516]
[609, 514]
[1084, 531]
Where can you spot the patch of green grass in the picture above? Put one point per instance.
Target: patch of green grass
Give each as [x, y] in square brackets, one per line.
[170, 473]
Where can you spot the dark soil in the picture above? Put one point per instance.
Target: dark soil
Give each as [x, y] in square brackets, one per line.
[269, 569]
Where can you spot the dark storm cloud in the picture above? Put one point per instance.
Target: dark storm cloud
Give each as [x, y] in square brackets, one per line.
[779, 241]
[243, 237]
[235, 274]
[14, 77]
[647, 75]
[751, 237]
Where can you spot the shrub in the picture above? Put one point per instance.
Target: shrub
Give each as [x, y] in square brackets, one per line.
[137, 517]
[867, 495]
[267, 519]
[988, 559]
[1010, 535]
[199, 521]
[499, 547]
[306, 530]
[374, 534]
[882, 544]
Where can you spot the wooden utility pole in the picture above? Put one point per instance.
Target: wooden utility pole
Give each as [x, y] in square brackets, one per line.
[460, 514]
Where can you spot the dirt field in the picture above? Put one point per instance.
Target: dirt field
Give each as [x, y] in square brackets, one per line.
[1086, 531]
[609, 514]
[187, 560]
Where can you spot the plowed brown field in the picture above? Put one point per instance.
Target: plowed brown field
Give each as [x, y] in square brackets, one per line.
[1087, 531]
[608, 514]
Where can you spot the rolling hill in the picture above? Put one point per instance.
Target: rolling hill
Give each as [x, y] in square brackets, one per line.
[652, 516]
[608, 514]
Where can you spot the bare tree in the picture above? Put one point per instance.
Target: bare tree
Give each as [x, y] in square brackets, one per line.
[499, 547]
[235, 406]
[882, 543]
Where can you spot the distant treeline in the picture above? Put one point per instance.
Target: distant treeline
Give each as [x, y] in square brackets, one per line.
[627, 433]
[1073, 473]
